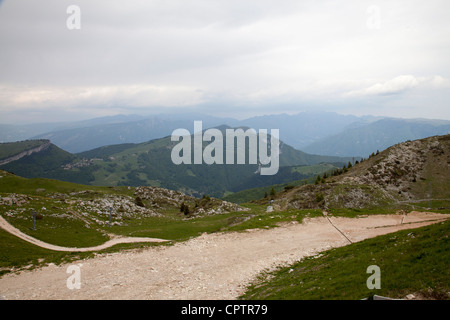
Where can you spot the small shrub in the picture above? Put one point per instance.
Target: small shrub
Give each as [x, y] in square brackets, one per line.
[319, 197]
[138, 201]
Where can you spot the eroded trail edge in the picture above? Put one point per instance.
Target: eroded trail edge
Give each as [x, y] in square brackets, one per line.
[212, 266]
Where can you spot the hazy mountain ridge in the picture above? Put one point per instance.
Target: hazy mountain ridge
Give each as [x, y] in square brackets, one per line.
[323, 133]
[94, 133]
[363, 139]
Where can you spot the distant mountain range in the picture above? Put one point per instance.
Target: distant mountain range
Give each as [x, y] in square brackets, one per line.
[296, 130]
[363, 139]
[323, 133]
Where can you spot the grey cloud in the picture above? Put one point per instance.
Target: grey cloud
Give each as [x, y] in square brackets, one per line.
[236, 53]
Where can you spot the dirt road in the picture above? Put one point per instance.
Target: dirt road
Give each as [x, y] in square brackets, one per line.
[116, 240]
[212, 266]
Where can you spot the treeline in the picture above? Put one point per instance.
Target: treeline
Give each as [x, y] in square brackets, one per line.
[344, 169]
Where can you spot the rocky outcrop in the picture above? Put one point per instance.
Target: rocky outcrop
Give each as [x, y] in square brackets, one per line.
[407, 172]
[159, 198]
[43, 146]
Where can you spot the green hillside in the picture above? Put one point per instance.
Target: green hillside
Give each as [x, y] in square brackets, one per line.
[150, 164]
[50, 163]
[10, 149]
[411, 262]
[303, 175]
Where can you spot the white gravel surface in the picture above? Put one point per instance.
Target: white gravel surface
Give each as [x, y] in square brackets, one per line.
[212, 266]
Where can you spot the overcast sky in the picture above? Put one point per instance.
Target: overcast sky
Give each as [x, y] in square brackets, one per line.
[232, 58]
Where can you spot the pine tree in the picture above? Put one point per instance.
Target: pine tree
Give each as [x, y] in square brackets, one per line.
[272, 192]
[318, 179]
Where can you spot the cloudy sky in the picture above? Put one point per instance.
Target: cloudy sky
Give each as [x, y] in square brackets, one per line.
[233, 58]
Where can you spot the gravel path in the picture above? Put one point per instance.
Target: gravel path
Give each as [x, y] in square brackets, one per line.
[212, 266]
[13, 230]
